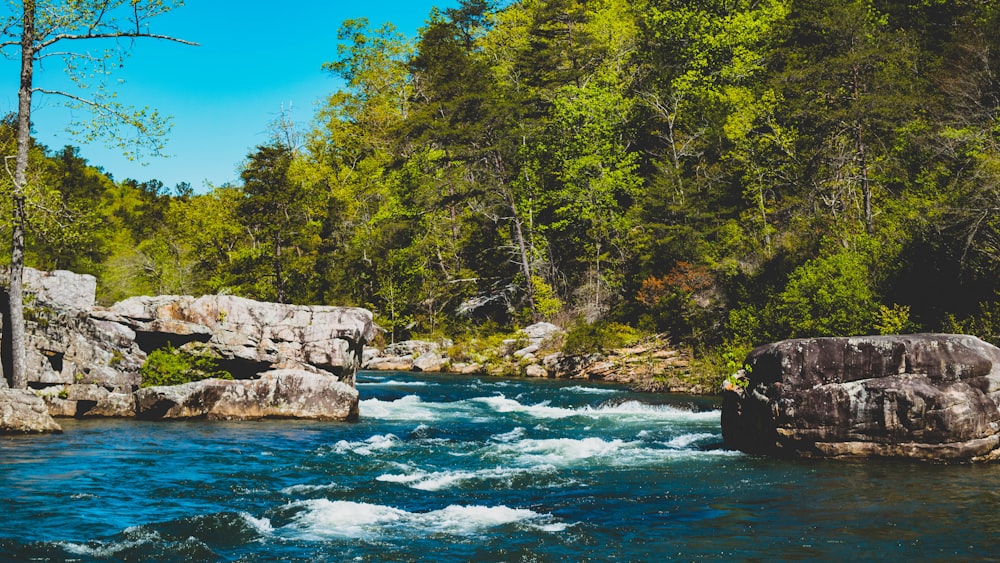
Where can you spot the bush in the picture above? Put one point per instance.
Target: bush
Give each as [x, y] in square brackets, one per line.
[828, 296]
[171, 366]
[587, 338]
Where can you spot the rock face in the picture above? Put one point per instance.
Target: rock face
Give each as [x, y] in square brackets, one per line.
[84, 360]
[66, 345]
[276, 394]
[925, 396]
[22, 412]
[250, 336]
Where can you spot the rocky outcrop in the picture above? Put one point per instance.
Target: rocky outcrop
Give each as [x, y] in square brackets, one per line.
[67, 345]
[276, 394]
[84, 360]
[22, 412]
[250, 336]
[408, 355]
[925, 396]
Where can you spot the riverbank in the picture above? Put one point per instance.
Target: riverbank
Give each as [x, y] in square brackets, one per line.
[649, 364]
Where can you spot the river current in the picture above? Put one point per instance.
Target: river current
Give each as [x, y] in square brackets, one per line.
[444, 468]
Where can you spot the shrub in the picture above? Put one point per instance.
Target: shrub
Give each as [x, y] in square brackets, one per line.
[586, 338]
[828, 296]
[172, 366]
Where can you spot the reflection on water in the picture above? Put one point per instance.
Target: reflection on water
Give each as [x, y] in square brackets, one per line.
[456, 469]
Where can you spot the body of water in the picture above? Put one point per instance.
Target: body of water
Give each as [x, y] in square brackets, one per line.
[444, 468]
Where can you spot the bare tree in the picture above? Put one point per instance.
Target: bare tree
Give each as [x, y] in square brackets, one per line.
[39, 30]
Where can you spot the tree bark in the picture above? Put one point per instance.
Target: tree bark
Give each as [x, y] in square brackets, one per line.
[18, 365]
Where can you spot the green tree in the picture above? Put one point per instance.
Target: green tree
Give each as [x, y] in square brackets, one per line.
[829, 296]
[278, 213]
[38, 28]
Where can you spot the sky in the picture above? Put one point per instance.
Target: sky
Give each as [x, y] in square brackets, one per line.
[254, 60]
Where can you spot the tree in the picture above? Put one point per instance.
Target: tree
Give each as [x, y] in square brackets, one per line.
[277, 212]
[36, 29]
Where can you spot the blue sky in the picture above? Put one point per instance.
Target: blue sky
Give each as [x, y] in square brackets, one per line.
[254, 58]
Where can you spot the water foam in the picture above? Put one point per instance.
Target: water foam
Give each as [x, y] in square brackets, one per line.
[394, 383]
[592, 390]
[685, 440]
[321, 519]
[634, 409]
[410, 407]
[376, 443]
[438, 480]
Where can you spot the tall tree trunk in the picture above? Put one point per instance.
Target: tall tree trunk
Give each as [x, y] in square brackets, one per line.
[18, 375]
[522, 247]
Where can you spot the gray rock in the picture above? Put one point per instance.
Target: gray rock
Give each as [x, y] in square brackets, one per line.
[539, 332]
[926, 396]
[526, 351]
[535, 370]
[277, 394]
[23, 412]
[61, 288]
[67, 346]
[413, 348]
[85, 360]
[430, 361]
[252, 336]
[394, 363]
[87, 400]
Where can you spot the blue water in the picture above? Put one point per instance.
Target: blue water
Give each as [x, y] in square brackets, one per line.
[443, 468]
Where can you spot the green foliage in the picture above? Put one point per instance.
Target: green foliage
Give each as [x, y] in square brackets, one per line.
[588, 338]
[727, 173]
[172, 366]
[828, 296]
[893, 320]
[985, 323]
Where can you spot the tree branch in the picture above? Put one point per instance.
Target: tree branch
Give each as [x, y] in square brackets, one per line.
[113, 35]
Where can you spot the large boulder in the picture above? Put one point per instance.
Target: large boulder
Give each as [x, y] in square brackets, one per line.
[276, 394]
[66, 345]
[924, 396]
[22, 412]
[250, 336]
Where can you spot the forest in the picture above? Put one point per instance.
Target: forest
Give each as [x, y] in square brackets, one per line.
[722, 172]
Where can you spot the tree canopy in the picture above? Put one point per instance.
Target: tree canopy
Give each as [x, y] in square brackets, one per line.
[726, 173]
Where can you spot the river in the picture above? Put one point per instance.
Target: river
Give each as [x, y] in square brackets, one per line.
[446, 468]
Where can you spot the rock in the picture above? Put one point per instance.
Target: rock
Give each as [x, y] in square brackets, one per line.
[526, 351]
[413, 348]
[22, 412]
[540, 332]
[66, 345]
[251, 336]
[408, 355]
[926, 396]
[284, 393]
[535, 370]
[395, 363]
[431, 361]
[88, 400]
[61, 288]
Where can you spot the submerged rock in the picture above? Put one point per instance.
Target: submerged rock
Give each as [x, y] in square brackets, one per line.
[277, 394]
[925, 396]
